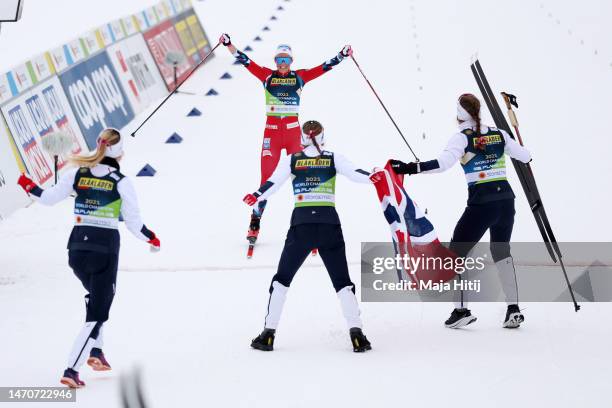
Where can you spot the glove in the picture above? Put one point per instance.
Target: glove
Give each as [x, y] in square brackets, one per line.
[346, 51]
[26, 183]
[155, 244]
[225, 39]
[405, 168]
[250, 199]
[377, 176]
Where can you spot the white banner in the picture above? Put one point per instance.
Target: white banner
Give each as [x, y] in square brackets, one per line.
[12, 196]
[33, 116]
[137, 72]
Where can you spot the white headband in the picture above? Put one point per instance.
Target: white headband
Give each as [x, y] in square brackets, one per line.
[462, 114]
[284, 49]
[114, 151]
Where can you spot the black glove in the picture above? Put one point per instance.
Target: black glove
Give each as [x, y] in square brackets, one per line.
[225, 39]
[405, 168]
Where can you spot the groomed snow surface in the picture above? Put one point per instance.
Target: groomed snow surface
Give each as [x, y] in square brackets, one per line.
[186, 315]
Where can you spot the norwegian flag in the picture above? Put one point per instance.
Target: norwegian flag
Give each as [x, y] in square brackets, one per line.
[412, 232]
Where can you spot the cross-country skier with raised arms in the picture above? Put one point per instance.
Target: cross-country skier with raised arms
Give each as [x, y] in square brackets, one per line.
[481, 151]
[314, 224]
[102, 195]
[283, 87]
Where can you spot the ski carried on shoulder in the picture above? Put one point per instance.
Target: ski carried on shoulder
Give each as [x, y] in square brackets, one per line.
[523, 170]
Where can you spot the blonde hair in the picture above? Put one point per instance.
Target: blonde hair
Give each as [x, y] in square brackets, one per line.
[108, 137]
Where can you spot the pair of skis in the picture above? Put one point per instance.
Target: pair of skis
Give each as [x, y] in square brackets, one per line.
[523, 170]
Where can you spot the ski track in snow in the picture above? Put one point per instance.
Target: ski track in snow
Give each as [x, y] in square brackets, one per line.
[186, 315]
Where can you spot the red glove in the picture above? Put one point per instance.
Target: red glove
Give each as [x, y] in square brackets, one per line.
[250, 199]
[155, 244]
[26, 183]
[377, 176]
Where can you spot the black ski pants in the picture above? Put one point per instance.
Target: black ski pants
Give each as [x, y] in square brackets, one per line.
[495, 216]
[97, 272]
[301, 240]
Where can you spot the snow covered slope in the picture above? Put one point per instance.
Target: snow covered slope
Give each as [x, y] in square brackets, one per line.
[187, 313]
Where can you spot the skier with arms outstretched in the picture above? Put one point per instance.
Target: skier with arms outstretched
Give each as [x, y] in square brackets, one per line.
[283, 87]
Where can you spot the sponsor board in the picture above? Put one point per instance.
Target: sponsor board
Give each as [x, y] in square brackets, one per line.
[142, 21]
[198, 34]
[151, 16]
[92, 42]
[5, 89]
[76, 51]
[117, 30]
[162, 39]
[19, 79]
[42, 67]
[12, 196]
[137, 72]
[33, 116]
[96, 96]
[130, 26]
[60, 58]
[189, 45]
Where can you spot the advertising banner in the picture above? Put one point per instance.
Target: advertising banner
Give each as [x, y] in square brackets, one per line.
[151, 16]
[137, 72]
[198, 34]
[60, 58]
[12, 196]
[189, 45]
[19, 79]
[106, 35]
[5, 89]
[130, 25]
[92, 42]
[34, 115]
[162, 39]
[116, 28]
[42, 67]
[96, 97]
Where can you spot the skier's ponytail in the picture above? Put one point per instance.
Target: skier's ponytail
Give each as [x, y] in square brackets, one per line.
[472, 105]
[108, 137]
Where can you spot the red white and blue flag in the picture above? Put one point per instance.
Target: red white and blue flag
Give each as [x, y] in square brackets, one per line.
[412, 233]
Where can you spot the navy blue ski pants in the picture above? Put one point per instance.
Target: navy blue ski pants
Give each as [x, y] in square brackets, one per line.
[97, 272]
[301, 240]
[495, 216]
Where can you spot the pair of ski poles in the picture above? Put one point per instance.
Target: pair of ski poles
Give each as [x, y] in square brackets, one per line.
[174, 91]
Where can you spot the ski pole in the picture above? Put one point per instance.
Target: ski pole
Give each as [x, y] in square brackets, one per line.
[385, 108]
[510, 101]
[175, 90]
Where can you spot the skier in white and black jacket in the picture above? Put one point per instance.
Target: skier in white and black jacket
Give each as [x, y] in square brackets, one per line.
[103, 195]
[314, 225]
[481, 151]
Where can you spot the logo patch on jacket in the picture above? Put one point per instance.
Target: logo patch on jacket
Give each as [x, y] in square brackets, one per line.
[86, 183]
[317, 163]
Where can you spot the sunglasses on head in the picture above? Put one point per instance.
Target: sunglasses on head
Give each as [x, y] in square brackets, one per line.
[283, 60]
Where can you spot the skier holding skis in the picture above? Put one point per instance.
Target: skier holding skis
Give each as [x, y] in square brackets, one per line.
[283, 87]
[314, 224]
[103, 194]
[481, 151]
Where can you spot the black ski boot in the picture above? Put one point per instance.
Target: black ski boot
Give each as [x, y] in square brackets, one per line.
[359, 340]
[514, 317]
[253, 228]
[265, 341]
[459, 318]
